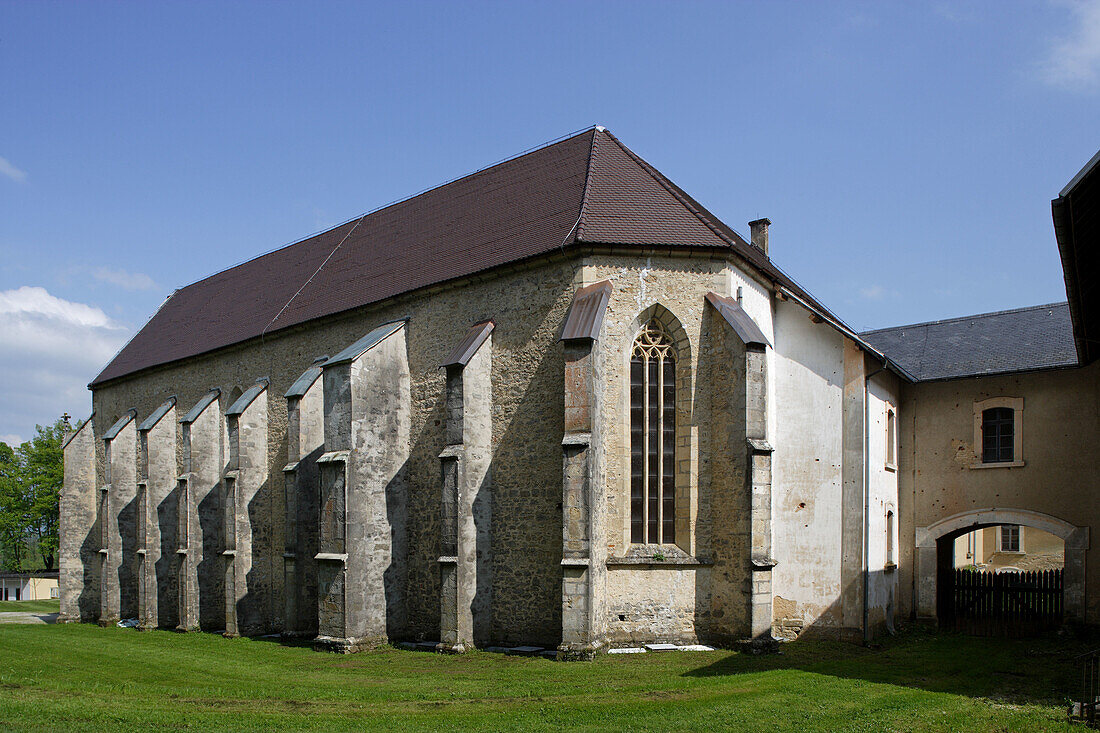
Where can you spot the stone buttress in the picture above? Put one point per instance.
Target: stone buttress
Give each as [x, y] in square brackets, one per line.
[305, 443]
[118, 518]
[748, 407]
[158, 597]
[466, 496]
[247, 516]
[364, 493]
[584, 551]
[79, 533]
[201, 569]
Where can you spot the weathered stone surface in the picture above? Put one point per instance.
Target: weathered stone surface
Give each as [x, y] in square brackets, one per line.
[159, 505]
[79, 531]
[305, 443]
[201, 518]
[121, 565]
[364, 495]
[246, 515]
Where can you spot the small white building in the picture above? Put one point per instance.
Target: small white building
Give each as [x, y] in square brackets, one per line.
[37, 586]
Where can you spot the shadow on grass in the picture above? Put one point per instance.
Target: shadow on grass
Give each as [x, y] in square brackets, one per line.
[1038, 670]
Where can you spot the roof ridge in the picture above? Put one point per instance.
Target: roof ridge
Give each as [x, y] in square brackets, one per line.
[957, 319]
[579, 228]
[677, 193]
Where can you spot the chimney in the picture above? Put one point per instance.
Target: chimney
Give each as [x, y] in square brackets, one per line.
[759, 234]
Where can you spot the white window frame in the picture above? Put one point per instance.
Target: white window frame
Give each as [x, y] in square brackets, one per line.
[1020, 539]
[1017, 406]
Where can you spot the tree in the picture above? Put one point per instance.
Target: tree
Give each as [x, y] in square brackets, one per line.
[14, 511]
[43, 472]
[30, 487]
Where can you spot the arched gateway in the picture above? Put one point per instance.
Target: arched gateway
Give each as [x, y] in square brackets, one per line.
[1076, 543]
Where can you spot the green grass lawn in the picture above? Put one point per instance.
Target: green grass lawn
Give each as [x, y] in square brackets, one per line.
[47, 606]
[81, 677]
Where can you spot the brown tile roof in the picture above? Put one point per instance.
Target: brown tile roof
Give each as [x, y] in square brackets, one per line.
[587, 188]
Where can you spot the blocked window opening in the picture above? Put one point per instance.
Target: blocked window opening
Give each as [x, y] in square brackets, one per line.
[891, 437]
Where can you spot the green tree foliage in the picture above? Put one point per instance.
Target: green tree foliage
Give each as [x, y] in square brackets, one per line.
[30, 487]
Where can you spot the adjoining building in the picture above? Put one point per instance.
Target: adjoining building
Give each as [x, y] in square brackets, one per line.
[556, 402]
[36, 586]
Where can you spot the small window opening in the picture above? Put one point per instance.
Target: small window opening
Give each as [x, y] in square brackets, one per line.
[997, 435]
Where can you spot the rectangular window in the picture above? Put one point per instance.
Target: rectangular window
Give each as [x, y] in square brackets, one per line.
[1010, 538]
[997, 435]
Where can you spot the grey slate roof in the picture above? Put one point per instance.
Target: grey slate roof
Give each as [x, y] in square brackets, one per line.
[1019, 340]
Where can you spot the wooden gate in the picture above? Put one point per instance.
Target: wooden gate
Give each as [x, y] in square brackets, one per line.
[1003, 604]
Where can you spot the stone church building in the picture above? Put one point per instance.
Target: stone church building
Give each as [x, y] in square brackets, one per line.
[556, 402]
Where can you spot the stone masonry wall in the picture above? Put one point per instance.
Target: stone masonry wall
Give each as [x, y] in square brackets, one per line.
[529, 307]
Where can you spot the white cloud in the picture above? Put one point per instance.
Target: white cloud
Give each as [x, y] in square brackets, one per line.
[9, 170]
[1073, 61]
[873, 292]
[11, 439]
[123, 279]
[50, 348]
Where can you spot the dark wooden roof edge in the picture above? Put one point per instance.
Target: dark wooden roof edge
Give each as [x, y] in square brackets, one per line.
[150, 422]
[471, 341]
[1065, 210]
[586, 313]
[839, 326]
[742, 323]
[247, 397]
[122, 422]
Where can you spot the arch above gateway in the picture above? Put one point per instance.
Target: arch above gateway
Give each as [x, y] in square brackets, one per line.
[1076, 541]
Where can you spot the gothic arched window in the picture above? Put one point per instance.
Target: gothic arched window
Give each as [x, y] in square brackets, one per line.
[653, 436]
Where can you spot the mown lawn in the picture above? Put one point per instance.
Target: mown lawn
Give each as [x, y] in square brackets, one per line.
[81, 677]
[47, 606]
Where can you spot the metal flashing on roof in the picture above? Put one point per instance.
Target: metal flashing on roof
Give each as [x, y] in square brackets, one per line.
[149, 422]
[193, 414]
[120, 424]
[83, 425]
[365, 344]
[245, 399]
[309, 376]
[587, 311]
[741, 322]
[1093, 162]
[470, 343]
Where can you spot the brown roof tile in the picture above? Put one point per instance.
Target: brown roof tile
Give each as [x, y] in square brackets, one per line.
[586, 188]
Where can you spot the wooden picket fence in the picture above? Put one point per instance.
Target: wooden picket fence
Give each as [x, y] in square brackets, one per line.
[1005, 604]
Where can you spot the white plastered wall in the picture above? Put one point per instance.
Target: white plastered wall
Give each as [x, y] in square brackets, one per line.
[807, 507]
[882, 394]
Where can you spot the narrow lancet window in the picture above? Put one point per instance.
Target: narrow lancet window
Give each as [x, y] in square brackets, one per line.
[653, 437]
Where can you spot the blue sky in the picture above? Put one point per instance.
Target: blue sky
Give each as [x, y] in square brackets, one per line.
[906, 153]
